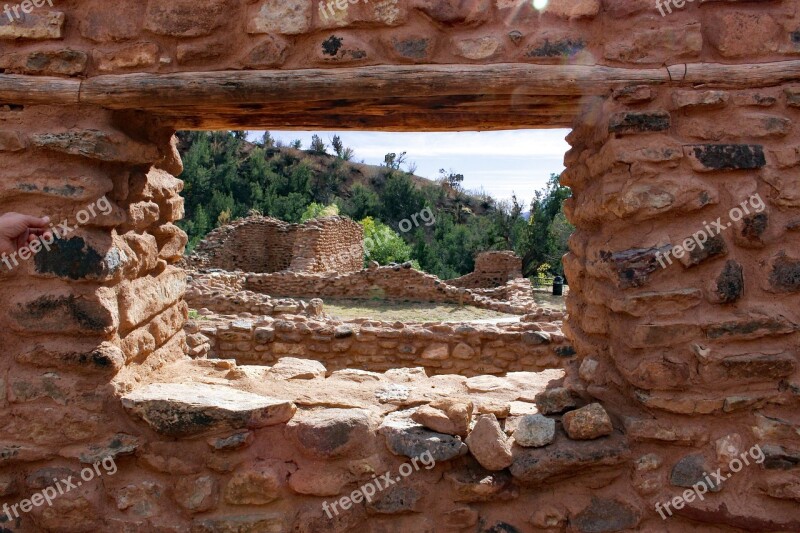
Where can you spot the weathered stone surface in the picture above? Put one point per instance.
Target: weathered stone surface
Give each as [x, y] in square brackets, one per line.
[785, 275]
[237, 441]
[36, 26]
[436, 352]
[586, 423]
[450, 415]
[404, 437]
[253, 487]
[455, 11]
[252, 523]
[489, 445]
[288, 17]
[271, 52]
[753, 327]
[181, 410]
[96, 144]
[699, 99]
[556, 48]
[197, 494]
[556, 401]
[534, 431]
[728, 30]
[397, 499]
[141, 55]
[657, 44]
[761, 367]
[472, 483]
[332, 432]
[691, 470]
[186, 18]
[291, 368]
[46, 63]
[606, 515]
[532, 466]
[730, 283]
[713, 157]
[143, 298]
[58, 311]
[479, 48]
[633, 267]
[714, 247]
[634, 122]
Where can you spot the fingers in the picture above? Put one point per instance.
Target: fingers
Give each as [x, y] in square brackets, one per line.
[35, 222]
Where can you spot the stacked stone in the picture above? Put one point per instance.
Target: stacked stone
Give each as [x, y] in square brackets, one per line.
[694, 334]
[478, 443]
[492, 269]
[397, 282]
[264, 244]
[92, 304]
[222, 293]
[464, 349]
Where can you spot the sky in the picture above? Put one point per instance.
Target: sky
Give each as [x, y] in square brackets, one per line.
[500, 162]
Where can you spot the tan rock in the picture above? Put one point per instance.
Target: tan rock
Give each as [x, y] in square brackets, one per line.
[587, 423]
[489, 444]
[449, 416]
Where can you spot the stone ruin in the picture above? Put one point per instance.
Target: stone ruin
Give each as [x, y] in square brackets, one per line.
[679, 368]
[264, 244]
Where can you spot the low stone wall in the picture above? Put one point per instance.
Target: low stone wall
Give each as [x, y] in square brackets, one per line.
[492, 269]
[399, 282]
[223, 293]
[464, 349]
[296, 448]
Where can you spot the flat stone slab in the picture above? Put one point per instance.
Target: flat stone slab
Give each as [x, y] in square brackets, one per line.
[567, 457]
[181, 410]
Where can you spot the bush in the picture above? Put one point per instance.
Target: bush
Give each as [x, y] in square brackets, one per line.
[383, 244]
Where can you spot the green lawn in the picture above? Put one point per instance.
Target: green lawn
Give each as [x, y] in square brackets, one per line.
[407, 311]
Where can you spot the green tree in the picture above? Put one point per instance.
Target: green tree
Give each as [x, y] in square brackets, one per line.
[315, 210]
[383, 244]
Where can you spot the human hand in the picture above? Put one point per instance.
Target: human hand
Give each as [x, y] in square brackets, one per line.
[18, 231]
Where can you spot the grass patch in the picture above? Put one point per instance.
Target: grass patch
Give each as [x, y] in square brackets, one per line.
[408, 311]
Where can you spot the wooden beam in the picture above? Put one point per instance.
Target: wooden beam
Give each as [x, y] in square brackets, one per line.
[154, 91]
[31, 90]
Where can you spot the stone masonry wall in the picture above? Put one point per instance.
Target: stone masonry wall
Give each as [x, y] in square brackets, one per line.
[680, 370]
[492, 269]
[699, 346]
[463, 349]
[263, 244]
[399, 282]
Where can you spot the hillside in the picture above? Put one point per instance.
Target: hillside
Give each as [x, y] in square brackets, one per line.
[226, 177]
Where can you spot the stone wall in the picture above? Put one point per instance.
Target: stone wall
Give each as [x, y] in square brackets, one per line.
[463, 349]
[492, 269]
[398, 282]
[263, 244]
[683, 117]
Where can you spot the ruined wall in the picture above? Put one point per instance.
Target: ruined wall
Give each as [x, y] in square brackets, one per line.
[264, 244]
[393, 283]
[463, 349]
[694, 364]
[684, 280]
[492, 269]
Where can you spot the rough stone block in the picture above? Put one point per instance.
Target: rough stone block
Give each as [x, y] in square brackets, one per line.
[34, 26]
[187, 18]
[182, 410]
[713, 157]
